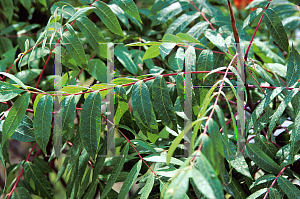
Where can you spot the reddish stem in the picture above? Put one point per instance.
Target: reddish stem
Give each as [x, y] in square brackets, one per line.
[202, 15]
[21, 173]
[282, 170]
[247, 51]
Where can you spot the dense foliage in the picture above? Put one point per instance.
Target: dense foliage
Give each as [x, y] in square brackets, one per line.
[181, 127]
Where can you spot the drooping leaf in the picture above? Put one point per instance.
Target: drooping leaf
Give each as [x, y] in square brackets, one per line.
[108, 17]
[129, 7]
[121, 104]
[261, 106]
[143, 111]
[279, 111]
[276, 29]
[162, 103]
[293, 67]
[189, 38]
[124, 57]
[15, 116]
[207, 174]
[42, 121]
[261, 159]
[289, 188]
[74, 47]
[98, 70]
[93, 35]
[166, 48]
[68, 115]
[148, 186]
[37, 180]
[179, 184]
[235, 159]
[134, 172]
[90, 123]
[115, 172]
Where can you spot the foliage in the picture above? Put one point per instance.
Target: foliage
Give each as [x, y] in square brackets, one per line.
[177, 71]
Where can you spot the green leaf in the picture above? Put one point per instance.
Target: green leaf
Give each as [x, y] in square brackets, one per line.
[279, 111]
[169, 12]
[143, 111]
[176, 60]
[232, 186]
[26, 76]
[8, 91]
[121, 104]
[7, 9]
[42, 121]
[179, 185]
[181, 22]
[90, 123]
[68, 116]
[148, 186]
[132, 176]
[98, 70]
[236, 160]
[151, 52]
[129, 7]
[15, 79]
[258, 193]
[93, 35]
[276, 29]
[42, 165]
[162, 103]
[295, 137]
[261, 159]
[15, 116]
[251, 17]
[206, 174]
[274, 194]
[297, 2]
[23, 133]
[108, 17]
[79, 13]
[289, 188]
[148, 43]
[261, 106]
[197, 30]
[116, 171]
[37, 180]
[124, 57]
[166, 48]
[91, 190]
[268, 147]
[8, 58]
[204, 63]
[99, 162]
[64, 9]
[21, 193]
[216, 39]
[293, 67]
[74, 47]
[162, 158]
[189, 38]
[120, 14]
